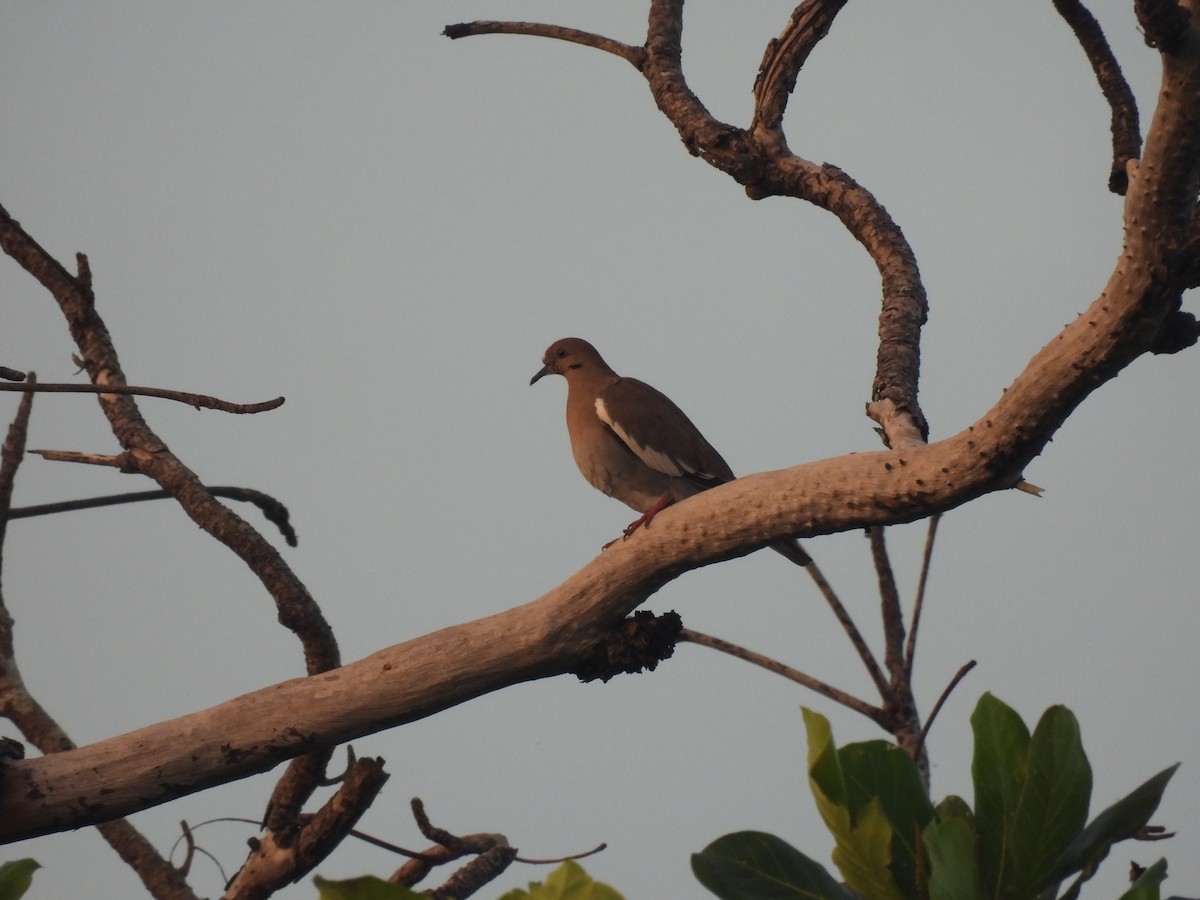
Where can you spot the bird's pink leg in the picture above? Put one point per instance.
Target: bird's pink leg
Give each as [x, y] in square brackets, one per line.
[646, 518]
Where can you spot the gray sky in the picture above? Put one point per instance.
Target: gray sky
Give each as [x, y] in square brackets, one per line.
[334, 203]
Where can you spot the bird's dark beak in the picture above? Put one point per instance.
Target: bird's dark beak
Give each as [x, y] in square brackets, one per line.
[543, 371]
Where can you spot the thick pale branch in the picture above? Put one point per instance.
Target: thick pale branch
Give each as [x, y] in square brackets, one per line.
[545, 637]
[253, 733]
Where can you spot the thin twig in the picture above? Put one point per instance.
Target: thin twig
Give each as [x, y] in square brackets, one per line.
[492, 852]
[10, 460]
[937, 707]
[120, 461]
[599, 848]
[771, 665]
[200, 401]
[847, 623]
[918, 603]
[893, 617]
[635, 56]
[426, 857]
[274, 511]
[190, 852]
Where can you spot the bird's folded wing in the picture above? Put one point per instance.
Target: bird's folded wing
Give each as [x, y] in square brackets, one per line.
[659, 434]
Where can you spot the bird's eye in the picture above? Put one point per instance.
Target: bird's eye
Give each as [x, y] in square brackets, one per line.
[562, 353]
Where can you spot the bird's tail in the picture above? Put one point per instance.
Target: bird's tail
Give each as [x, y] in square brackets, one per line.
[793, 551]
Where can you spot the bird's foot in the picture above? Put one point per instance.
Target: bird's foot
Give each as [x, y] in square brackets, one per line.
[629, 530]
[644, 520]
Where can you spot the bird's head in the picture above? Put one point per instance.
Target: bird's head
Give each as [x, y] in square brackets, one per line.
[570, 355]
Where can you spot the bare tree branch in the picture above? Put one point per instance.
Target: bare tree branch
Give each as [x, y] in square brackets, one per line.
[161, 879]
[274, 511]
[910, 650]
[759, 160]
[148, 455]
[781, 64]
[1126, 133]
[200, 401]
[492, 853]
[847, 622]
[893, 617]
[11, 456]
[874, 713]
[633, 55]
[937, 707]
[273, 864]
[1164, 22]
[297, 609]
[547, 636]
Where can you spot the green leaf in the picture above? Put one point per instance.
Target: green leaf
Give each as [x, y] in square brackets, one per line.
[950, 849]
[998, 770]
[824, 769]
[880, 769]
[15, 877]
[1053, 806]
[954, 807]
[752, 865]
[864, 856]
[568, 882]
[368, 887]
[1122, 820]
[1146, 886]
[864, 836]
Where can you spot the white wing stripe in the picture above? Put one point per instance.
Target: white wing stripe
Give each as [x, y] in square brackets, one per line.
[655, 459]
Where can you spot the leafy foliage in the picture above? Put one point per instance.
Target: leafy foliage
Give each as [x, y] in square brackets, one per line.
[15, 878]
[1146, 885]
[754, 864]
[568, 882]
[1025, 837]
[368, 887]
